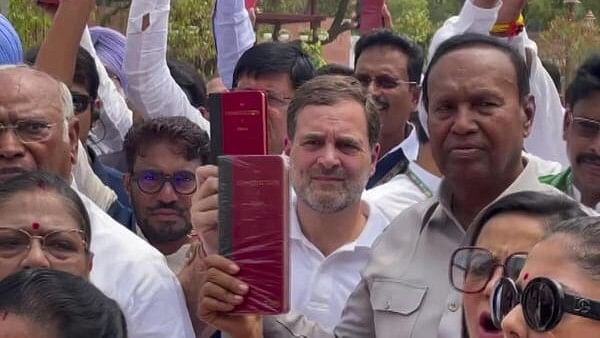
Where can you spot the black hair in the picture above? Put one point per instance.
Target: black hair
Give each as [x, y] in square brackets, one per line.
[554, 207]
[272, 58]
[387, 38]
[586, 81]
[471, 40]
[86, 73]
[335, 69]
[585, 246]
[37, 180]
[554, 73]
[68, 302]
[178, 130]
[189, 80]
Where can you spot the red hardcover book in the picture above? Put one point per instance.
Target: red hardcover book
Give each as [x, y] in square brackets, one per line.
[254, 228]
[238, 123]
[371, 17]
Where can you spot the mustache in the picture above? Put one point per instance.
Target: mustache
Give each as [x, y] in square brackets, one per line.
[172, 206]
[380, 102]
[588, 158]
[337, 173]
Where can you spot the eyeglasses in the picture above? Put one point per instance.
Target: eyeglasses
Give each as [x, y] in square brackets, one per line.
[472, 268]
[151, 182]
[80, 102]
[585, 127]
[382, 81]
[29, 131]
[543, 301]
[61, 244]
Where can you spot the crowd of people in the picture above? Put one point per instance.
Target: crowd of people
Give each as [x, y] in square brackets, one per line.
[450, 193]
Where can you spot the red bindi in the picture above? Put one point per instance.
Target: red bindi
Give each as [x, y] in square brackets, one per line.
[35, 225]
[526, 276]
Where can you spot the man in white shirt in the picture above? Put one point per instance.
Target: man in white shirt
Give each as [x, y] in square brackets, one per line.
[162, 157]
[419, 182]
[333, 130]
[125, 267]
[389, 66]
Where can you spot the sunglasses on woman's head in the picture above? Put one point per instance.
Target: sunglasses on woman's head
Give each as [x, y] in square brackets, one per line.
[543, 302]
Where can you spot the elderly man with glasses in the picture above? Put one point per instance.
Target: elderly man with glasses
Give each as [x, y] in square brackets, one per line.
[389, 66]
[162, 156]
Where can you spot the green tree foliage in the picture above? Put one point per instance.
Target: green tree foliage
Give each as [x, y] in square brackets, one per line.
[29, 21]
[540, 13]
[412, 19]
[190, 34]
[568, 43]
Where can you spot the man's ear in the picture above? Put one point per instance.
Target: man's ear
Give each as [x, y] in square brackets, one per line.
[529, 114]
[127, 183]
[287, 146]
[415, 94]
[567, 122]
[73, 138]
[374, 158]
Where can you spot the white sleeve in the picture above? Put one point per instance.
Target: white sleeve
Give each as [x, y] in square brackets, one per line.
[116, 117]
[233, 35]
[546, 139]
[471, 19]
[151, 88]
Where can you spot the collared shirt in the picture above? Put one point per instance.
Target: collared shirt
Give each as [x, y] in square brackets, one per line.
[395, 161]
[403, 191]
[404, 290]
[321, 285]
[564, 182]
[135, 275]
[151, 88]
[544, 140]
[233, 34]
[176, 261]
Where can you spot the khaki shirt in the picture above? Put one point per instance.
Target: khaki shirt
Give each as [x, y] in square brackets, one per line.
[405, 291]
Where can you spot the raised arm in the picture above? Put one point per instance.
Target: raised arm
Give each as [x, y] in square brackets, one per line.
[151, 88]
[233, 33]
[58, 53]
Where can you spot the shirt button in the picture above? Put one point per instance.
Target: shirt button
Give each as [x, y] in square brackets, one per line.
[388, 305]
[452, 307]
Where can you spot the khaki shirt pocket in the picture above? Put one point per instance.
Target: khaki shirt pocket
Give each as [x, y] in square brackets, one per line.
[396, 304]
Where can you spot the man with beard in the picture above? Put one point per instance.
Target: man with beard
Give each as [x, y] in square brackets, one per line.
[389, 66]
[333, 128]
[162, 156]
[582, 133]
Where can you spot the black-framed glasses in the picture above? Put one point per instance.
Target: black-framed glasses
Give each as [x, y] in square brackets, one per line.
[382, 81]
[60, 244]
[543, 301]
[585, 127]
[151, 181]
[29, 131]
[472, 268]
[81, 102]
